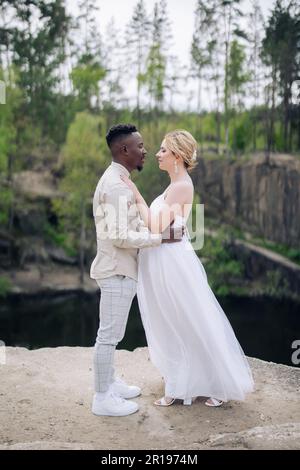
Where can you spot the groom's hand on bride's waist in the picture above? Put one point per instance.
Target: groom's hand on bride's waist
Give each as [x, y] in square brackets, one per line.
[173, 234]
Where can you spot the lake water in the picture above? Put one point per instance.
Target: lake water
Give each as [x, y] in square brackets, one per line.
[264, 327]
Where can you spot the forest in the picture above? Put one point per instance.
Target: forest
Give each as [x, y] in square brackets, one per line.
[64, 82]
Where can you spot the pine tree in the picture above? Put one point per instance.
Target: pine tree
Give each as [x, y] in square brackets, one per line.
[228, 13]
[83, 159]
[281, 53]
[255, 66]
[89, 71]
[157, 62]
[202, 48]
[137, 43]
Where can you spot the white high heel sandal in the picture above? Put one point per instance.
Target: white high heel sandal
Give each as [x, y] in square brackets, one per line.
[187, 401]
[163, 402]
[213, 402]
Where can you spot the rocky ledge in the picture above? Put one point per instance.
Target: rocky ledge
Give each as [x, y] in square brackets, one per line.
[45, 398]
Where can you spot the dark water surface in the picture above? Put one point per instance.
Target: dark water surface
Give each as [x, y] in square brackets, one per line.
[265, 327]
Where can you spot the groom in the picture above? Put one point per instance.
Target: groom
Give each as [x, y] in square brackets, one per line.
[120, 233]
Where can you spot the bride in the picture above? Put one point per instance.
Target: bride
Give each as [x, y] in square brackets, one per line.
[189, 337]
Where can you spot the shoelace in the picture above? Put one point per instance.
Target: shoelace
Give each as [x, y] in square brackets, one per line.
[120, 381]
[117, 399]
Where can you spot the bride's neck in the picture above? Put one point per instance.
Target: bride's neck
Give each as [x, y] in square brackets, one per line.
[181, 175]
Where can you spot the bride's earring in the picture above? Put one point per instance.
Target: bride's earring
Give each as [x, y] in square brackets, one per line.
[176, 167]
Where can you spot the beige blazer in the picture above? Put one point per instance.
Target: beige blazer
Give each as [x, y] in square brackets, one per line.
[120, 231]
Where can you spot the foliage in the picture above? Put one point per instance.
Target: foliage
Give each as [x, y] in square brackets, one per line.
[86, 78]
[223, 271]
[83, 161]
[292, 253]
[58, 237]
[66, 86]
[5, 286]
[275, 285]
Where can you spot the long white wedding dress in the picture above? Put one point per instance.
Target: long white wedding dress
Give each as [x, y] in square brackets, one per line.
[189, 337]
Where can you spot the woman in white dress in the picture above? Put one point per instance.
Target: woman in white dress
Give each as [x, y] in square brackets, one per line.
[189, 337]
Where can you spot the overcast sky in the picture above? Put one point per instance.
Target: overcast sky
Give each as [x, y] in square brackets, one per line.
[181, 14]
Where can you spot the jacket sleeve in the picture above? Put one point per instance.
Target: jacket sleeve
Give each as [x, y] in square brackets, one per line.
[119, 212]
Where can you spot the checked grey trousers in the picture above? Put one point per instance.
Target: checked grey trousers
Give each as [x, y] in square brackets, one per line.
[117, 293]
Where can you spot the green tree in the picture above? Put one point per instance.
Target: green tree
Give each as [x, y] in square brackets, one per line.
[137, 43]
[85, 78]
[237, 78]
[9, 161]
[215, 73]
[83, 161]
[255, 65]
[38, 49]
[155, 77]
[201, 52]
[281, 53]
[216, 25]
[89, 71]
[228, 13]
[113, 58]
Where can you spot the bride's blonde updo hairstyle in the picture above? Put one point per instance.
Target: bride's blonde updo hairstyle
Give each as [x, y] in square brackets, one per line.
[183, 144]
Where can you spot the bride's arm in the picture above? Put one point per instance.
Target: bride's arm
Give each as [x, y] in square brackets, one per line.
[177, 196]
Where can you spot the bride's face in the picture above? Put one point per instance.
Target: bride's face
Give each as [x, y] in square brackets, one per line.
[165, 158]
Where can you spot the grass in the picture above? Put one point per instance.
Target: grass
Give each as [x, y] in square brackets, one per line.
[293, 254]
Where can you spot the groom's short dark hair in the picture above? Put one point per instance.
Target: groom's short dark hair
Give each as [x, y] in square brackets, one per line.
[119, 130]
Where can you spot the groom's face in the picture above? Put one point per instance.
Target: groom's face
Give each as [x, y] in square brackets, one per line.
[136, 152]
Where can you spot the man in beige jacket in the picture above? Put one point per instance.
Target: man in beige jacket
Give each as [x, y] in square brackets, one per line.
[120, 233]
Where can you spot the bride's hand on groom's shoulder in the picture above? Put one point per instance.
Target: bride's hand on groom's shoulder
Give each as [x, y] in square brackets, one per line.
[130, 184]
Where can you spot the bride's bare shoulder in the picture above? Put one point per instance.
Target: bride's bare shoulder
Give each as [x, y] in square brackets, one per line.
[184, 184]
[181, 190]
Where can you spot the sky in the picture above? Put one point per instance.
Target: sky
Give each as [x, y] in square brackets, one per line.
[181, 15]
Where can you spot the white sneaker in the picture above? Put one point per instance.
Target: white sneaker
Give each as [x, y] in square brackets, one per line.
[123, 390]
[113, 405]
